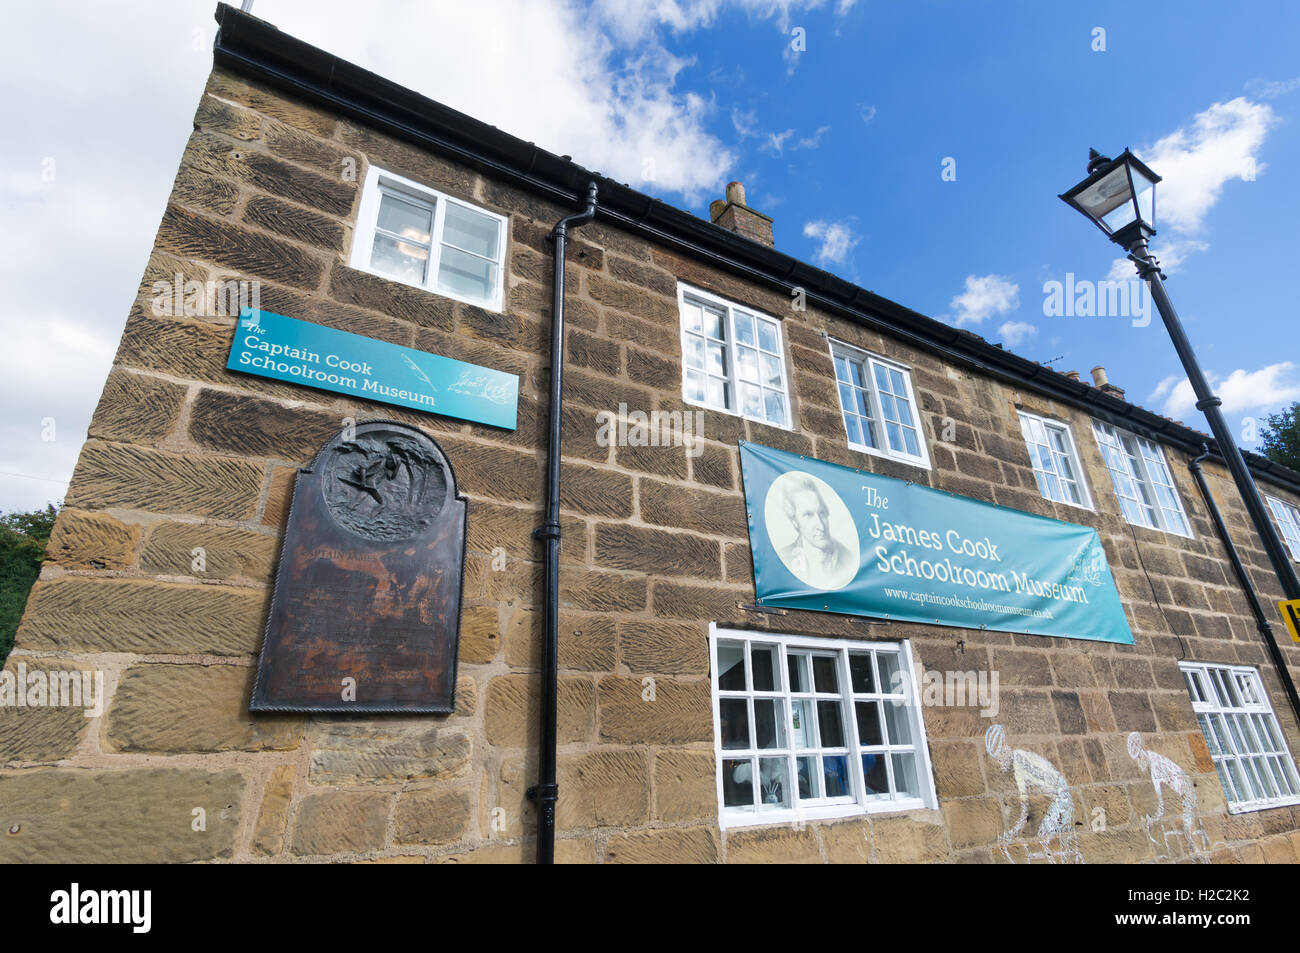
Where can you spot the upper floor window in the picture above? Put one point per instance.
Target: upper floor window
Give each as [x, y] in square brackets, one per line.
[1143, 484]
[879, 407]
[810, 728]
[1288, 522]
[1249, 753]
[1055, 460]
[732, 358]
[421, 237]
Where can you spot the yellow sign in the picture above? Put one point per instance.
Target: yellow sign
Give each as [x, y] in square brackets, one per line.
[1291, 615]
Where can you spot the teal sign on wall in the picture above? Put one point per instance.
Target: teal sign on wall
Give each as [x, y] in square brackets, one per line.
[835, 539]
[286, 349]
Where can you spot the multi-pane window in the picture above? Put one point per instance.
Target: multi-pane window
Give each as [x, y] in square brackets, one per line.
[1142, 481]
[1056, 463]
[1250, 755]
[1288, 523]
[421, 237]
[732, 359]
[879, 407]
[815, 728]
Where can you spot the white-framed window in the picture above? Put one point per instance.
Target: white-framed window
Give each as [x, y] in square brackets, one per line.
[410, 233]
[878, 405]
[732, 358]
[1250, 755]
[1288, 524]
[1055, 460]
[1143, 484]
[815, 728]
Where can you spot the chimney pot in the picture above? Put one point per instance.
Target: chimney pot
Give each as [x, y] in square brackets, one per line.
[1099, 377]
[734, 215]
[1072, 375]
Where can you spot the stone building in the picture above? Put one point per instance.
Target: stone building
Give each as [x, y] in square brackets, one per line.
[161, 566]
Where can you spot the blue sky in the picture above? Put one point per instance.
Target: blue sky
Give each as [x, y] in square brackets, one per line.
[843, 143]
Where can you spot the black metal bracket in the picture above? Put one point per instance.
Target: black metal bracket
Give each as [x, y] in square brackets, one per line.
[547, 531]
[539, 793]
[771, 610]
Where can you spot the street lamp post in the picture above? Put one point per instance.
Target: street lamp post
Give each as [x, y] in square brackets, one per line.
[1118, 196]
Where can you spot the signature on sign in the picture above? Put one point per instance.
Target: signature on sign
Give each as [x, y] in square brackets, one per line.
[473, 384]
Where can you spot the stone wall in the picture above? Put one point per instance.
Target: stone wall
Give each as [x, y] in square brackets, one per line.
[184, 457]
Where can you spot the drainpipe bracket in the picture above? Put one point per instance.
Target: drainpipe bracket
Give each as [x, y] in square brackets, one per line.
[547, 531]
[543, 792]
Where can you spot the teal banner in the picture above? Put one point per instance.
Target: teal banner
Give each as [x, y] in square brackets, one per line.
[834, 539]
[286, 349]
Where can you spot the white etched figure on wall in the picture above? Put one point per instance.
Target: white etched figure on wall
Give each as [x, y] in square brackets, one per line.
[1035, 774]
[1167, 774]
[812, 531]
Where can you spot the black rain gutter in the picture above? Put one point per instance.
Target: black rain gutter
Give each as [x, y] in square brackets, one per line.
[545, 793]
[256, 49]
[1256, 608]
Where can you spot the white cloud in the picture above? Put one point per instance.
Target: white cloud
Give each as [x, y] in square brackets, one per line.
[813, 141]
[775, 143]
[1271, 89]
[1171, 254]
[985, 295]
[867, 113]
[1262, 390]
[1015, 333]
[836, 238]
[1222, 143]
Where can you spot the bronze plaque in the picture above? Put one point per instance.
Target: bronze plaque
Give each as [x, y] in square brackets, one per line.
[365, 616]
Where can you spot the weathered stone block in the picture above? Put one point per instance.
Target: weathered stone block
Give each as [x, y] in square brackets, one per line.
[388, 751]
[340, 822]
[432, 816]
[87, 540]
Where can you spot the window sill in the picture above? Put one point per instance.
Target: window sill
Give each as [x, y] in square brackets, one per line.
[731, 413]
[829, 812]
[1251, 807]
[918, 462]
[494, 306]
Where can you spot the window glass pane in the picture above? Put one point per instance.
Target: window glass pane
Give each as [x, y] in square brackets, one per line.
[898, 724]
[716, 390]
[751, 400]
[767, 337]
[769, 723]
[830, 724]
[693, 352]
[876, 773]
[891, 675]
[405, 219]
[465, 274]
[731, 666]
[737, 783]
[472, 231]
[694, 386]
[774, 782]
[836, 771]
[763, 662]
[746, 363]
[715, 359]
[798, 668]
[825, 673]
[774, 405]
[772, 374]
[734, 719]
[402, 260]
[810, 782]
[905, 775]
[801, 713]
[860, 673]
[744, 325]
[692, 316]
[869, 732]
[713, 322]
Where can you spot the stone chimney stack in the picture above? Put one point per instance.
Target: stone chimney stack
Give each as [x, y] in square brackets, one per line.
[1072, 375]
[1103, 384]
[734, 215]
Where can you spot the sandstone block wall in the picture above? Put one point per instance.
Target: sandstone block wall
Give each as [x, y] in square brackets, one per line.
[184, 456]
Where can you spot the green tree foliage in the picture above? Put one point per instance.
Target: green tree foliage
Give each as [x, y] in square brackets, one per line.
[1279, 438]
[22, 547]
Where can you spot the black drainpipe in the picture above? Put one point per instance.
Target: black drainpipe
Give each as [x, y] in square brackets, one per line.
[545, 793]
[1261, 619]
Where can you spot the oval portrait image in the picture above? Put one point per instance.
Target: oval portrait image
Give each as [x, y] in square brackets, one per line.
[811, 530]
